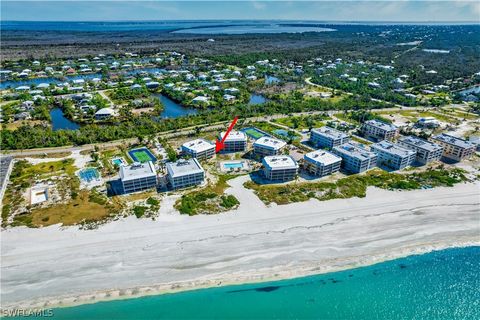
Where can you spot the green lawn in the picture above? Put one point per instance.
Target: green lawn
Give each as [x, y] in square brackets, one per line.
[303, 122]
[208, 200]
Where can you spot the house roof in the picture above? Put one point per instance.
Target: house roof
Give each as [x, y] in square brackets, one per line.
[322, 157]
[137, 171]
[279, 162]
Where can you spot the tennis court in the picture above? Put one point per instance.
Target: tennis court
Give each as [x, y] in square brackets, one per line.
[89, 174]
[254, 133]
[141, 155]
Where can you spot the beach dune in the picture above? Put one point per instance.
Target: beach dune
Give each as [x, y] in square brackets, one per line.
[57, 266]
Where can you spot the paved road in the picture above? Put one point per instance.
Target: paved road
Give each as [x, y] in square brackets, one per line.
[176, 133]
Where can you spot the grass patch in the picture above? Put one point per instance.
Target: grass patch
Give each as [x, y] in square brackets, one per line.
[414, 115]
[356, 185]
[79, 210]
[208, 200]
[77, 207]
[303, 122]
[51, 155]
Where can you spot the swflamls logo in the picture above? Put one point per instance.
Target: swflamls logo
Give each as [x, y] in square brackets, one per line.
[27, 313]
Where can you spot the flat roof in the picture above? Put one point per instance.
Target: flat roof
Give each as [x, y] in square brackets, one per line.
[198, 145]
[279, 162]
[330, 132]
[391, 148]
[322, 157]
[137, 171]
[382, 125]
[270, 143]
[184, 167]
[355, 150]
[420, 143]
[234, 136]
[454, 141]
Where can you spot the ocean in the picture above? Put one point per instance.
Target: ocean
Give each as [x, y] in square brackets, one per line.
[438, 285]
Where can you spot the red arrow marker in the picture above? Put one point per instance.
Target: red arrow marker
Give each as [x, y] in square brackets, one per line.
[220, 144]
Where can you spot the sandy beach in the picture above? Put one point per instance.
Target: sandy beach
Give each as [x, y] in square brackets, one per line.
[57, 266]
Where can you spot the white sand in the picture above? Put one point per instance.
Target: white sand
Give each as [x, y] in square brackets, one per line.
[64, 266]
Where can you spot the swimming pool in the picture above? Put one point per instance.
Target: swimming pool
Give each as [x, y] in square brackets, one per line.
[233, 165]
[118, 161]
[89, 174]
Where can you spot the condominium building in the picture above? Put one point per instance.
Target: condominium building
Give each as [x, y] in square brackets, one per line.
[279, 168]
[355, 158]
[138, 177]
[235, 141]
[321, 163]
[266, 146]
[199, 148]
[185, 173]
[379, 130]
[455, 148]
[426, 151]
[326, 137]
[393, 156]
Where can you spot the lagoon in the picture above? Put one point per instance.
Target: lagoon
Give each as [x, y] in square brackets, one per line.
[438, 285]
[173, 109]
[256, 98]
[60, 122]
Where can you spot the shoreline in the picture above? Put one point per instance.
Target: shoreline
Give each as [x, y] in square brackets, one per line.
[173, 288]
[56, 267]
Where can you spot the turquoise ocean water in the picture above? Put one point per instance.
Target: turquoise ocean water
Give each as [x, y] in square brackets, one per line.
[439, 285]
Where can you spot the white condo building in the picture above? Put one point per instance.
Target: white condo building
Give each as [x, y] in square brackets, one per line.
[321, 163]
[426, 151]
[235, 141]
[266, 146]
[138, 177]
[393, 156]
[279, 168]
[379, 130]
[455, 148]
[199, 148]
[185, 173]
[326, 137]
[355, 158]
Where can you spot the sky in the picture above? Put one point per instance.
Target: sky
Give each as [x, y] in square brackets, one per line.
[113, 10]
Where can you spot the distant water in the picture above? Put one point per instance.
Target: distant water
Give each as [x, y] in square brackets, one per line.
[4, 84]
[254, 28]
[197, 27]
[438, 285]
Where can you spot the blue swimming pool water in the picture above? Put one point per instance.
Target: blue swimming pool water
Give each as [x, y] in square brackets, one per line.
[117, 162]
[233, 165]
[89, 174]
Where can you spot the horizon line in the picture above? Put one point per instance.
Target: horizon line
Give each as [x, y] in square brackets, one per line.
[226, 19]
